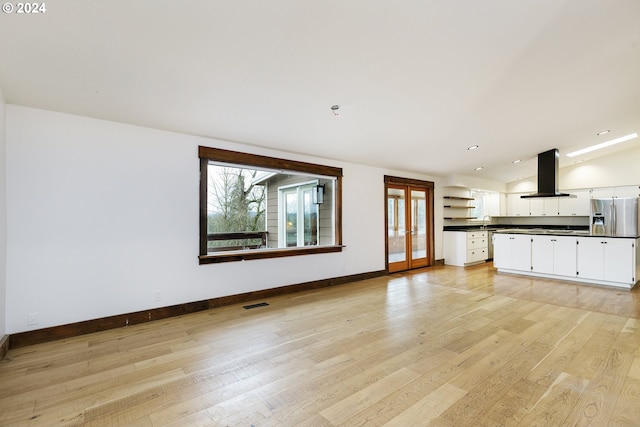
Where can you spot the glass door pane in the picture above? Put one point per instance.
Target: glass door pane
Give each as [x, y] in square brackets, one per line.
[418, 233]
[397, 229]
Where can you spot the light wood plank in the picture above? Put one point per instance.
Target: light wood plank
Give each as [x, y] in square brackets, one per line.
[341, 411]
[442, 345]
[429, 407]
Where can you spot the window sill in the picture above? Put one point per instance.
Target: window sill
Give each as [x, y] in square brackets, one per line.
[218, 257]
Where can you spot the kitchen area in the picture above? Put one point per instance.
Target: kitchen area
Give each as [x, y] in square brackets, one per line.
[587, 235]
[587, 248]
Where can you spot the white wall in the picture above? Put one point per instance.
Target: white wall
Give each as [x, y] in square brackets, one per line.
[473, 182]
[102, 214]
[3, 219]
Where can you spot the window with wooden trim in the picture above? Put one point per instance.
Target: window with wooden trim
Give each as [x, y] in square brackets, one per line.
[255, 207]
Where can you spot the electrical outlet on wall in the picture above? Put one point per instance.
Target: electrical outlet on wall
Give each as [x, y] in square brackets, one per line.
[32, 319]
[157, 295]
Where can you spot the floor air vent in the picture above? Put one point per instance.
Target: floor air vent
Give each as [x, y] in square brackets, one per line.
[260, 304]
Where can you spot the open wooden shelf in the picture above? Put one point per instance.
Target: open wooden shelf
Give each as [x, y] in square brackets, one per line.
[458, 208]
[458, 198]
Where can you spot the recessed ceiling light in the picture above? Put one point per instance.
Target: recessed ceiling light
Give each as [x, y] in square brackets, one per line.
[579, 161]
[603, 132]
[473, 147]
[479, 168]
[603, 145]
[516, 161]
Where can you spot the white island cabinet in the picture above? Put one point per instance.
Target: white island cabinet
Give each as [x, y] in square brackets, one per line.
[599, 260]
[554, 255]
[512, 251]
[607, 259]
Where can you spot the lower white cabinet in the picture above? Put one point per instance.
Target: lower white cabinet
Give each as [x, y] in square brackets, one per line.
[554, 255]
[463, 248]
[607, 259]
[600, 260]
[512, 251]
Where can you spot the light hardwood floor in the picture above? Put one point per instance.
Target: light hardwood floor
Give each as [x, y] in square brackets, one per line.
[441, 346]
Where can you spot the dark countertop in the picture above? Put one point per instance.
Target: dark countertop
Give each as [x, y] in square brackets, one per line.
[579, 231]
[523, 228]
[546, 232]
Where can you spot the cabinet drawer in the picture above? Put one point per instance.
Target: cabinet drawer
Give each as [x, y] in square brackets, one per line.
[474, 255]
[477, 243]
[476, 234]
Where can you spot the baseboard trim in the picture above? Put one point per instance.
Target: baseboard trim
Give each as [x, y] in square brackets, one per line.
[23, 339]
[4, 346]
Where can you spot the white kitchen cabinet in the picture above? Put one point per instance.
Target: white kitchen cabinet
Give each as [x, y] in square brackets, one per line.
[516, 205]
[607, 259]
[464, 248]
[503, 204]
[600, 260]
[512, 251]
[501, 250]
[627, 191]
[621, 191]
[575, 206]
[603, 192]
[547, 206]
[554, 255]
[492, 204]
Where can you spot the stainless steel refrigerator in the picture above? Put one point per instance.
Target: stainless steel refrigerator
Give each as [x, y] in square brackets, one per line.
[615, 217]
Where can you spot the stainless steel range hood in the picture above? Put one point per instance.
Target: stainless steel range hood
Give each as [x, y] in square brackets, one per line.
[548, 176]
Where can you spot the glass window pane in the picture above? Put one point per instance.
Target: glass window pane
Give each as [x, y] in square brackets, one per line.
[310, 219]
[291, 209]
[235, 204]
[243, 207]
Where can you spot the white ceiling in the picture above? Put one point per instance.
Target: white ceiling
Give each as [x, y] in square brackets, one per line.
[417, 81]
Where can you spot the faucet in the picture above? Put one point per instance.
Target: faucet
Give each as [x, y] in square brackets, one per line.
[486, 216]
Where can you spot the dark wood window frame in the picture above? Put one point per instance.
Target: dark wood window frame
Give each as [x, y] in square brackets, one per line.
[207, 154]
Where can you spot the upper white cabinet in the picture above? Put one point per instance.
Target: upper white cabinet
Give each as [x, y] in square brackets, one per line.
[564, 206]
[621, 191]
[602, 192]
[516, 205]
[575, 206]
[492, 204]
[627, 191]
[547, 206]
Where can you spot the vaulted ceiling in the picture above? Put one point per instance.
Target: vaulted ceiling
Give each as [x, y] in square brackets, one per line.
[417, 81]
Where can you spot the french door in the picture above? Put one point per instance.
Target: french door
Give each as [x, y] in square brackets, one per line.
[409, 224]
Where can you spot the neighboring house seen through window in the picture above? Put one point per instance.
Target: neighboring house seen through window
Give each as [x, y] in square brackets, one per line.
[262, 207]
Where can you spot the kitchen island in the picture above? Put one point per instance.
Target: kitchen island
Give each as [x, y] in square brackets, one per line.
[574, 255]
